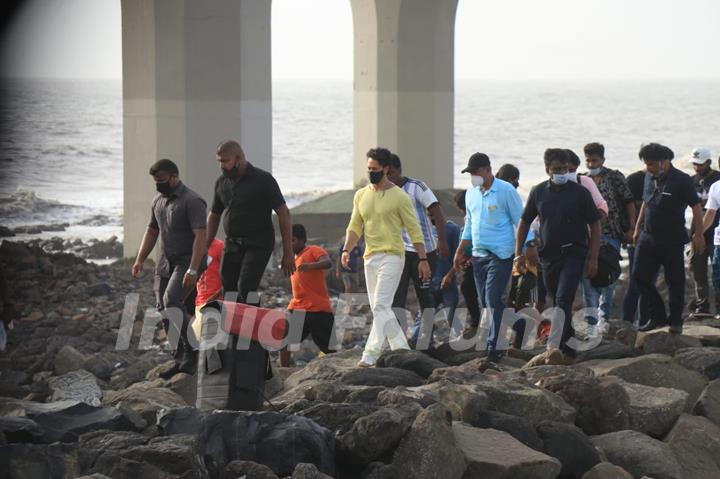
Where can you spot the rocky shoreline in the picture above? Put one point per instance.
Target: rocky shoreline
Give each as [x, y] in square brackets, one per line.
[637, 405]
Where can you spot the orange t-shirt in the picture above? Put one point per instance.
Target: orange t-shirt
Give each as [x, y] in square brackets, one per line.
[210, 282]
[308, 287]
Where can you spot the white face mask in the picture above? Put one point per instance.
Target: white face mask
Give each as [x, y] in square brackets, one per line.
[562, 179]
[572, 176]
[477, 180]
[594, 171]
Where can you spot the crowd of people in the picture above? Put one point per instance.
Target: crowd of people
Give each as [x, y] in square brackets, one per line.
[567, 235]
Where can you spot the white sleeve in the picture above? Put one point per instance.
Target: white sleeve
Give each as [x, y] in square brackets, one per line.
[426, 196]
[713, 202]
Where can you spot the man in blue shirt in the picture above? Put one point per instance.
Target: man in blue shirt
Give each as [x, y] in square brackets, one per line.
[493, 210]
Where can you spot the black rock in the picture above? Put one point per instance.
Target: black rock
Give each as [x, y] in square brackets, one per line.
[99, 289]
[518, 427]
[274, 439]
[568, 444]
[129, 455]
[21, 429]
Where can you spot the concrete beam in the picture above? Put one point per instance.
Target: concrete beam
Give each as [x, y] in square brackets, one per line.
[194, 73]
[404, 85]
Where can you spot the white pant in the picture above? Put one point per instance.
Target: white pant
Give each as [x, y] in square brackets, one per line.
[382, 275]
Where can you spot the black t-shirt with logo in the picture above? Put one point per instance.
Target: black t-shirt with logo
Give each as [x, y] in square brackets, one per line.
[666, 200]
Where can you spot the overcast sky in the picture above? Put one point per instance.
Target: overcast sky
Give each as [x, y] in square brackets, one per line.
[506, 39]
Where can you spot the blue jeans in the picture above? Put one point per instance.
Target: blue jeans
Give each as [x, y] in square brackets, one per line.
[491, 278]
[562, 277]
[599, 299]
[449, 299]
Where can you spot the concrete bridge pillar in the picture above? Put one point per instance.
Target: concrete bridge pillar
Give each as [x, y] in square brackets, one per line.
[194, 73]
[404, 85]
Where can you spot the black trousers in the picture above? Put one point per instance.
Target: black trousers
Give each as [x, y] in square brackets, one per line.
[649, 256]
[562, 277]
[242, 269]
[423, 294]
[410, 273]
[469, 292]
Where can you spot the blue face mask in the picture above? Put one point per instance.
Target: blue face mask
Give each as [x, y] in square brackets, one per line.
[561, 179]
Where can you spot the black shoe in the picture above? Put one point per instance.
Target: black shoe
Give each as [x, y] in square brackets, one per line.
[167, 374]
[677, 329]
[650, 326]
[494, 356]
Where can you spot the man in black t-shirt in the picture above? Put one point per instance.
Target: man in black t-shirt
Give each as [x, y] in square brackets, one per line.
[660, 235]
[703, 178]
[245, 196]
[565, 209]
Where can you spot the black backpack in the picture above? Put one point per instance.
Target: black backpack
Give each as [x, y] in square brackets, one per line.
[608, 270]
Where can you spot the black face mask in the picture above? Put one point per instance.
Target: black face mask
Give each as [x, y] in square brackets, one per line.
[164, 188]
[231, 173]
[376, 176]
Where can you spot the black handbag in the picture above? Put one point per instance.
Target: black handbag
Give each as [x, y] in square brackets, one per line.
[608, 269]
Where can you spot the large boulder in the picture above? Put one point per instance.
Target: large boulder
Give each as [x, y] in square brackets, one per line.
[518, 427]
[429, 449]
[377, 435]
[663, 342]
[706, 361]
[386, 377]
[525, 400]
[274, 439]
[464, 401]
[145, 399]
[605, 470]
[708, 404]
[130, 456]
[570, 446]
[656, 370]
[492, 454]
[601, 406]
[412, 360]
[31, 461]
[68, 359]
[639, 454]
[696, 444]
[653, 411]
[77, 385]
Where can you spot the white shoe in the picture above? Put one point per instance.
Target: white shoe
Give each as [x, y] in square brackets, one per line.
[364, 364]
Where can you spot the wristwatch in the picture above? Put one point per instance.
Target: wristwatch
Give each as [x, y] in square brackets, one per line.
[191, 272]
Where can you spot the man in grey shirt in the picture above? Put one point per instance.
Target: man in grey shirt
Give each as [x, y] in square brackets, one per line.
[178, 218]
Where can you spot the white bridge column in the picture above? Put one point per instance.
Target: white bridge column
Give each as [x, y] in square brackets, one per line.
[404, 85]
[195, 72]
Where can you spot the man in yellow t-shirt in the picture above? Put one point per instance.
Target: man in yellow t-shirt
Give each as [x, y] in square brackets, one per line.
[380, 212]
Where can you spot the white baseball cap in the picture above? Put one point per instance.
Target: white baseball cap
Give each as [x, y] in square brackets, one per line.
[699, 156]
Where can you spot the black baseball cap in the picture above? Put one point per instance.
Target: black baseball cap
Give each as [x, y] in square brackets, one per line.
[477, 160]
